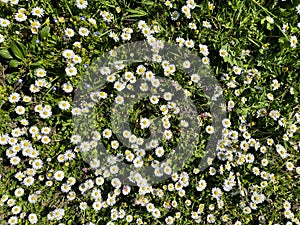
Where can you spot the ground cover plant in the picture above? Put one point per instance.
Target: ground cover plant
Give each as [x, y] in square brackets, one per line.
[250, 46]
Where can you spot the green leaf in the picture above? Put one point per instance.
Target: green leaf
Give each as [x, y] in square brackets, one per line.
[14, 63]
[243, 111]
[16, 49]
[5, 54]
[33, 41]
[37, 63]
[269, 26]
[23, 49]
[281, 40]
[44, 33]
[136, 13]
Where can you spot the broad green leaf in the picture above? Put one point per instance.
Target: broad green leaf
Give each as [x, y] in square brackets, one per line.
[23, 49]
[16, 49]
[5, 54]
[136, 13]
[44, 33]
[33, 41]
[14, 63]
[37, 63]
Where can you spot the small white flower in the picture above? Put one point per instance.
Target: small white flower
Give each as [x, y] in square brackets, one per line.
[69, 32]
[37, 11]
[28, 181]
[81, 4]
[237, 70]
[154, 99]
[270, 19]
[275, 84]
[168, 134]
[119, 100]
[205, 60]
[20, 17]
[223, 53]
[71, 71]
[16, 210]
[270, 96]
[13, 220]
[186, 64]
[210, 129]
[32, 217]
[67, 88]
[207, 24]
[107, 133]
[97, 205]
[68, 54]
[144, 123]
[125, 36]
[45, 114]
[19, 192]
[4, 22]
[226, 123]
[92, 21]
[40, 72]
[59, 175]
[64, 105]
[83, 31]
[77, 44]
[83, 205]
[293, 41]
[189, 43]
[14, 2]
[14, 97]
[77, 59]
[195, 78]
[45, 140]
[20, 110]
[289, 166]
[159, 152]
[15, 160]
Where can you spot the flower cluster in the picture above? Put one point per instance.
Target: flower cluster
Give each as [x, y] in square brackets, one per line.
[48, 47]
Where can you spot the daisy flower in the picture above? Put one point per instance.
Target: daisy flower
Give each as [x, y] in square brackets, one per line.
[14, 2]
[59, 175]
[293, 41]
[13, 220]
[77, 59]
[81, 4]
[209, 129]
[223, 53]
[83, 31]
[159, 152]
[71, 71]
[67, 88]
[207, 24]
[4, 22]
[68, 54]
[69, 32]
[64, 105]
[20, 17]
[14, 97]
[37, 11]
[20, 110]
[189, 43]
[195, 78]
